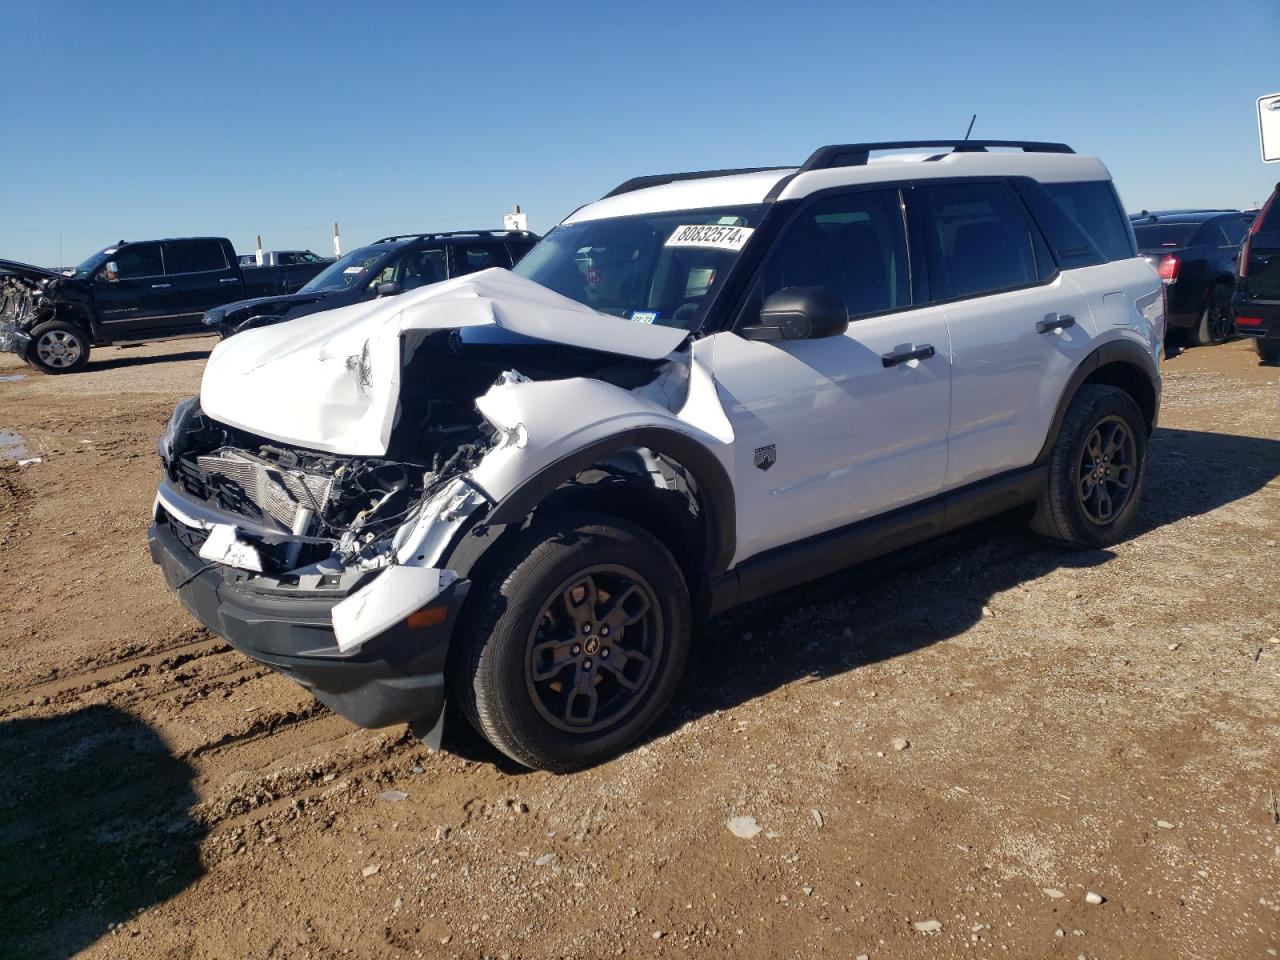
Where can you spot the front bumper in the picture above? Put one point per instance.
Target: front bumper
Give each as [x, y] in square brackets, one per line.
[395, 677]
[13, 339]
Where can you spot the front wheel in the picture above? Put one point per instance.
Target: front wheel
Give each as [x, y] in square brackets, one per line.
[578, 643]
[1096, 470]
[59, 347]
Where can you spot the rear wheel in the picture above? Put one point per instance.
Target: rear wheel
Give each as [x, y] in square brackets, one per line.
[1096, 470]
[1268, 350]
[578, 643]
[1216, 323]
[59, 347]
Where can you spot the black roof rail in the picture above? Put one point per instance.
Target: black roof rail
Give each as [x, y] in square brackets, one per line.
[659, 179]
[857, 154]
[459, 233]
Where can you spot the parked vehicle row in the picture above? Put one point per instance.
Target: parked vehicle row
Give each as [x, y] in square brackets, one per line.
[1257, 299]
[1195, 252]
[385, 268]
[513, 491]
[129, 292]
[280, 258]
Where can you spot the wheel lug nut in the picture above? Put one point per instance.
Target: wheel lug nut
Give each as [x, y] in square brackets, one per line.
[586, 664]
[575, 650]
[586, 628]
[604, 652]
[604, 631]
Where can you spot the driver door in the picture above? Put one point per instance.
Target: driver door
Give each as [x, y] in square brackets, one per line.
[835, 430]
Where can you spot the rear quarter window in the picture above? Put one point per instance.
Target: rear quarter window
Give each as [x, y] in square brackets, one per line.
[1095, 208]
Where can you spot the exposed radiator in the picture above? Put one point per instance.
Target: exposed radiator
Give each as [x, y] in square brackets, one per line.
[276, 492]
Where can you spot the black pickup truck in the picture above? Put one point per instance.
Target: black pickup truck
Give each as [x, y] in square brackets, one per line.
[127, 293]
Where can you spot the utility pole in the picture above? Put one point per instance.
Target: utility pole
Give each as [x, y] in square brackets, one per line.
[337, 241]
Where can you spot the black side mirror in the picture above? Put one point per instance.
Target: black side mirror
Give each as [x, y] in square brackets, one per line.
[799, 313]
[388, 289]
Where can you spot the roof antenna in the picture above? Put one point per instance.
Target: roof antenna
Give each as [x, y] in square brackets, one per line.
[971, 122]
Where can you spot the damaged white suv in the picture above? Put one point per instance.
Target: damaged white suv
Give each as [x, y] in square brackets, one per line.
[516, 491]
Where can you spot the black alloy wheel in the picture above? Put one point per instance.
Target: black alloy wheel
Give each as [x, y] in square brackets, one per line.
[592, 649]
[1107, 470]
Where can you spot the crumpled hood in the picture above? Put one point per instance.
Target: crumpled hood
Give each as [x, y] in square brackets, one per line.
[29, 271]
[333, 382]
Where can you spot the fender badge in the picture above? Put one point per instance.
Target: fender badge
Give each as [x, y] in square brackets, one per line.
[766, 457]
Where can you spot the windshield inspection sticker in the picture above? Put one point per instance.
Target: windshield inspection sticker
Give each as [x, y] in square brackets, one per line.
[710, 235]
[644, 316]
[354, 270]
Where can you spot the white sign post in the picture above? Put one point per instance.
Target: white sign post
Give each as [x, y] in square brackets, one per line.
[1269, 127]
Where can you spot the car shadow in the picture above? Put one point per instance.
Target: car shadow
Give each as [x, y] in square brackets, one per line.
[94, 828]
[924, 594]
[120, 362]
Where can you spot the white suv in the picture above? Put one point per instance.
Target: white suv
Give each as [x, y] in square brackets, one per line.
[515, 491]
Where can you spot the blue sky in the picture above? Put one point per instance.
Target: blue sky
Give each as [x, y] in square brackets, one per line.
[131, 120]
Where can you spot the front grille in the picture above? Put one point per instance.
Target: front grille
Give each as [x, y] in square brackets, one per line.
[252, 487]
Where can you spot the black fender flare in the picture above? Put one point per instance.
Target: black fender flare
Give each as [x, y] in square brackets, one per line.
[715, 490]
[1113, 351]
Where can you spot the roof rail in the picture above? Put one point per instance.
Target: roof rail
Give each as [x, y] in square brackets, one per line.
[458, 233]
[658, 179]
[857, 154]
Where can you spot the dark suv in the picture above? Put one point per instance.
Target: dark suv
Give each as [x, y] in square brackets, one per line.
[385, 268]
[1195, 253]
[1257, 299]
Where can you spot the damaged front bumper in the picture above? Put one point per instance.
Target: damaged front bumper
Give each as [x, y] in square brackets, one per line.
[13, 339]
[395, 676]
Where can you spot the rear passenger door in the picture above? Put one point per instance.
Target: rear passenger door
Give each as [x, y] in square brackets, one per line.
[200, 277]
[828, 432]
[1018, 327]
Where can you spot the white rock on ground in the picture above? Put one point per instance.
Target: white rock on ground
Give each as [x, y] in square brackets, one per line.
[744, 828]
[928, 926]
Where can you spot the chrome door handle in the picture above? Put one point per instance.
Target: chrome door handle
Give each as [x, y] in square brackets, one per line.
[922, 352]
[228, 280]
[1060, 322]
[161, 286]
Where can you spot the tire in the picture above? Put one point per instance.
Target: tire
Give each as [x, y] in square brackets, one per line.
[59, 347]
[533, 681]
[1215, 324]
[1268, 351]
[1070, 510]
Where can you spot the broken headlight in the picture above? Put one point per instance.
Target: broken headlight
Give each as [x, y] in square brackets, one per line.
[170, 442]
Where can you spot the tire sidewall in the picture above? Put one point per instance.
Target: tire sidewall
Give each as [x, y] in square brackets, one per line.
[33, 356]
[526, 589]
[1100, 406]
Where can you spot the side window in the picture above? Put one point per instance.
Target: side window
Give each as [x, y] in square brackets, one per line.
[412, 269]
[1094, 207]
[1233, 230]
[194, 256]
[853, 243]
[140, 260]
[472, 257]
[979, 241]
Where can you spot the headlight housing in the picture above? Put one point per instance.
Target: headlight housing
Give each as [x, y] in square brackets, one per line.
[212, 318]
[170, 442]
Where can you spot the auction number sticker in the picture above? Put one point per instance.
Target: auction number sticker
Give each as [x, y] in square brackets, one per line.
[711, 236]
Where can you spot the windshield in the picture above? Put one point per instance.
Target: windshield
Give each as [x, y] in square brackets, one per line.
[651, 268]
[1162, 235]
[352, 270]
[93, 263]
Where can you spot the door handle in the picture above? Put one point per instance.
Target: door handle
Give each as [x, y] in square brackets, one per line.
[161, 286]
[922, 352]
[1060, 322]
[228, 280]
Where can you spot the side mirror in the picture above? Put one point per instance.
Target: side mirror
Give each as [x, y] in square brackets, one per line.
[111, 272]
[799, 313]
[388, 289]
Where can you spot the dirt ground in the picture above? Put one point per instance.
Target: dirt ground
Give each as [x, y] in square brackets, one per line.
[1074, 722]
